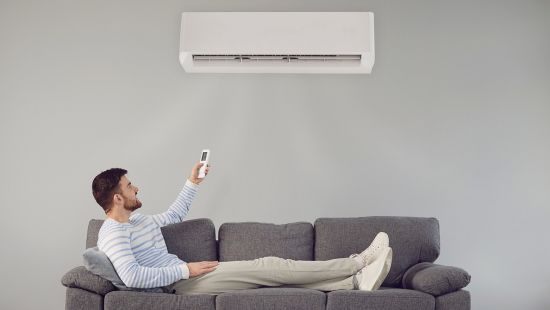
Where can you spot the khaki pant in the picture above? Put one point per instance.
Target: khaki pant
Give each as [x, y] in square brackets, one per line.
[330, 275]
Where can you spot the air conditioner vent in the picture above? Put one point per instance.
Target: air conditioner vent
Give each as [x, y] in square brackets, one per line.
[276, 58]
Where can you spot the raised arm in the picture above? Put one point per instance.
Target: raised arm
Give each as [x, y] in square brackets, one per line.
[179, 209]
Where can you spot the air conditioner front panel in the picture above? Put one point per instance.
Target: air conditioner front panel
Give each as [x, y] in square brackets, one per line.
[275, 32]
[206, 37]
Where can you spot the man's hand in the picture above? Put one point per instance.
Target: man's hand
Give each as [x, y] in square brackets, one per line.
[196, 269]
[195, 173]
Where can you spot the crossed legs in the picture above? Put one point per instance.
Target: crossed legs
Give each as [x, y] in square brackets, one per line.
[335, 274]
[364, 271]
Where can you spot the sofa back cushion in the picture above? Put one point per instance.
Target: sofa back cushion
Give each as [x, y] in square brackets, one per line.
[413, 240]
[93, 230]
[191, 240]
[251, 240]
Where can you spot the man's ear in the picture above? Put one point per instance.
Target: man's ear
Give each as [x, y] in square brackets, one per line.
[117, 197]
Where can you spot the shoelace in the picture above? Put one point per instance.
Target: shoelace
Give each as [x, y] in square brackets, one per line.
[363, 259]
[367, 256]
[371, 254]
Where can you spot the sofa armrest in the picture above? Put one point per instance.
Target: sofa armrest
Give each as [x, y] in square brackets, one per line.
[435, 279]
[80, 277]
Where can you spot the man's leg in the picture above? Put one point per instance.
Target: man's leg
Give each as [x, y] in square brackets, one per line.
[344, 283]
[370, 279]
[270, 271]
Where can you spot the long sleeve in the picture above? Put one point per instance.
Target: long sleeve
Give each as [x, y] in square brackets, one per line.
[179, 208]
[116, 245]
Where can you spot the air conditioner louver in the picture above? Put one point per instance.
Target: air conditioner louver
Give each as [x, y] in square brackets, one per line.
[275, 60]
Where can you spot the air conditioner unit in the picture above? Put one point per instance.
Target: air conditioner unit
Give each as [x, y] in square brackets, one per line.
[277, 42]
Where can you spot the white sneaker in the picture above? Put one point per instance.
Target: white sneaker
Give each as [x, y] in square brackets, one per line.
[371, 276]
[380, 242]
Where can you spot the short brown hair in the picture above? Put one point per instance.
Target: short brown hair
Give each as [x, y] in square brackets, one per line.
[105, 185]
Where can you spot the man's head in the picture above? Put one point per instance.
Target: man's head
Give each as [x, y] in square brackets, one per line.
[111, 189]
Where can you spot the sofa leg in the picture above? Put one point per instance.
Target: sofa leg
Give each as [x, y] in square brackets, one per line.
[459, 300]
[78, 299]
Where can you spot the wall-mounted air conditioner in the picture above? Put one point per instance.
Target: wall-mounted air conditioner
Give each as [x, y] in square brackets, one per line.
[277, 42]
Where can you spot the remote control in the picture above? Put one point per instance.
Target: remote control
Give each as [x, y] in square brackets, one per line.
[205, 158]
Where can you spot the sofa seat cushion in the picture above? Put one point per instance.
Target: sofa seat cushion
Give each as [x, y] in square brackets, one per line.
[272, 298]
[128, 300]
[251, 240]
[382, 299]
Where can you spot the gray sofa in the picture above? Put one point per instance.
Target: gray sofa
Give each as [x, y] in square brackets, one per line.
[414, 281]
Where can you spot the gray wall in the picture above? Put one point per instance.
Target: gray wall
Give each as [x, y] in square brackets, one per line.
[454, 122]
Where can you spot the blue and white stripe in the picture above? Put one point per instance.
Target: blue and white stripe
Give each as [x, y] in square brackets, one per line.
[137, 248]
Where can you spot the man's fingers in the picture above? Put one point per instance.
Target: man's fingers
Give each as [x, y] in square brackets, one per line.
[207, 270]
[208, 264]
[198, 165]
[211, 262]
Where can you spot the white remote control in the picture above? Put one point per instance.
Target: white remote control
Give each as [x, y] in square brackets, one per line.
[205, 158]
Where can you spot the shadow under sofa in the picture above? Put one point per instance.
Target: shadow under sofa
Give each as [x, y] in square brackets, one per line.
[414, 281]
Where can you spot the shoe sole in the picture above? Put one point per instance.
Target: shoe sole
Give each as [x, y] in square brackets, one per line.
[385, 270]
[382, 265]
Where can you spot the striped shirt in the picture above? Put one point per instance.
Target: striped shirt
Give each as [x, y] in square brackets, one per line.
[137, 248]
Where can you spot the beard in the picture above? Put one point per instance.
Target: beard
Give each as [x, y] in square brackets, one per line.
[132, 205]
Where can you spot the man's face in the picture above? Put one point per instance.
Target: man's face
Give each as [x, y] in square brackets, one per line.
[129, 192]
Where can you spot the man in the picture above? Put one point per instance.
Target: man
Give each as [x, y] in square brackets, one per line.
[135, 246]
